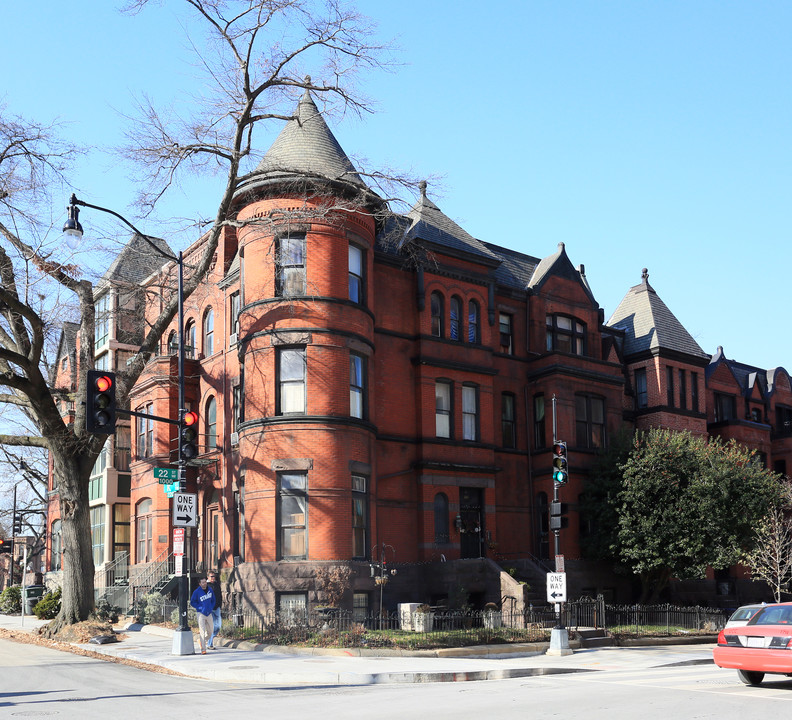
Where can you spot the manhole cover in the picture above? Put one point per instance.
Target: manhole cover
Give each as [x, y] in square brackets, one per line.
[242, 667]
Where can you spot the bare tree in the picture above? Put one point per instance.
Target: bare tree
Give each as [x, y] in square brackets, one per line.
[771, 558]
[257, 55]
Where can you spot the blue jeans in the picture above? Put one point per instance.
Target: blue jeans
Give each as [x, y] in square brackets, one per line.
[218, 623]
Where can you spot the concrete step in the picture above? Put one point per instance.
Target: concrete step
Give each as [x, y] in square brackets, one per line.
[593, 637]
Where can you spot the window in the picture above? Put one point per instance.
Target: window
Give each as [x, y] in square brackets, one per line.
[436, 307]
[95, 485]
[670, 386]
[682, 390]
[120, 529]
[443, 409]
[508, 430]
[474, 332]
[145, 431]
[455, 326]
[101, 321]
[211, 425]
[469, 412]
[359, 517]
[236, 409]
[97, 534]
[208, 333]
[360, 607]
[172, 348]
[565, 334]
[641, 396]
[233, 309]
[144, 522]
[441, 534]
[756, 415]
[291, 379]
[506, 334]
[293, 508]
[355, 274]
[189, 340]
[540, 434]
[102, 362]
[357, 386]
[725, 407]
[590, 421]
[56, 546]
[290, 266]
[292, 609]
[694, 396]
[783, 420]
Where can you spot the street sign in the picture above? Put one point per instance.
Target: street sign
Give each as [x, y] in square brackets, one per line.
[559, 559]
[185, 510]
[166, 475]
[556, 587]
[178, 541]
[171, 489]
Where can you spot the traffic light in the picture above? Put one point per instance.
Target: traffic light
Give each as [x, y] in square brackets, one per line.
[6, 546]
[100, 411]
[558, 511]
[560, 467]
[17, 524]
[188, 435]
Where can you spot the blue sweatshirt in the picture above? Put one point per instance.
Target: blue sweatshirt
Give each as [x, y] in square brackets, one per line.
[203, 600]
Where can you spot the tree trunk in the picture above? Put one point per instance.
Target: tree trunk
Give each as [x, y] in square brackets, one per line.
[77, 593]
[652, 584]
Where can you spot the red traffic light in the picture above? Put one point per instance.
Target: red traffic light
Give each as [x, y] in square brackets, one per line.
[190, 418]
[103, 383]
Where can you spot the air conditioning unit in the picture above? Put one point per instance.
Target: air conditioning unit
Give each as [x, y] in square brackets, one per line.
[232, 340]
[234, 439]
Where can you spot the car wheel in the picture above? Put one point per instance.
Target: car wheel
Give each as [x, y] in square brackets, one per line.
[750, 677]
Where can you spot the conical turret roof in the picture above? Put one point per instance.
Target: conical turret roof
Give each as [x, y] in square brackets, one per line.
[305, 149]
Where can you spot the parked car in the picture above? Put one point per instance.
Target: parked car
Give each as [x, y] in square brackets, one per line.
[763, 645]
[743, 614]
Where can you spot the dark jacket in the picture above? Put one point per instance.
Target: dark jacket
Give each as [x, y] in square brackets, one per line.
[218, 593]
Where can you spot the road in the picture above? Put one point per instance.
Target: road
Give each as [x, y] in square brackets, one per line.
[40, 682]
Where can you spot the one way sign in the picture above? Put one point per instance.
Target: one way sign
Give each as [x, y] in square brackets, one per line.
[556, 587]
[185, 510]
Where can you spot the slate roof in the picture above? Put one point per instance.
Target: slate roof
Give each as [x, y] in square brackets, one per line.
[136, 261]
[430, 224]
[650, 325]
[67, 347]
[515, 269]
[558, 265]
[747, 376]
[305, 148]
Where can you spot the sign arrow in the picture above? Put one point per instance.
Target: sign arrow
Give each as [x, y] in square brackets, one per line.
[184, 518]
[554, 595]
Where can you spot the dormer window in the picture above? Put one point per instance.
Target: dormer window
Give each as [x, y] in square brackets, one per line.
[565, 334]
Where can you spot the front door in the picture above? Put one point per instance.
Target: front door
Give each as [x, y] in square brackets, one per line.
[471, 512]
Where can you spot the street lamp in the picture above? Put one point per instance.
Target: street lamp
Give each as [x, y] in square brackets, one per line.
[72, 234]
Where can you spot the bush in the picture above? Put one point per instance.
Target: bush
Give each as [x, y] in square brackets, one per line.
[49, 606]
[11, 600]
[192, 617]
[105, 611]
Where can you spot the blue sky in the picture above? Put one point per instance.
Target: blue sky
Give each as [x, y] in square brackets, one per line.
[640, 134]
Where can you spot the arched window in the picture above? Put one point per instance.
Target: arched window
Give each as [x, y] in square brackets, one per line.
[189, 339]
[455, 327]
[211, 424]
[173, 344]
[441, 519]
[474, 333]
[437, 314]
[144, 520]
[208, 333]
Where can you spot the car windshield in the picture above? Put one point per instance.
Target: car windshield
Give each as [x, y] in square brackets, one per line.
[773, 616]
[744, 613]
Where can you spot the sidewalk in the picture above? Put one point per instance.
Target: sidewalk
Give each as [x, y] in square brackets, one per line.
[271, 666]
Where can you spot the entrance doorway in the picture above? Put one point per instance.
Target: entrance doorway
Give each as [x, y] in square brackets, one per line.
[471, 531]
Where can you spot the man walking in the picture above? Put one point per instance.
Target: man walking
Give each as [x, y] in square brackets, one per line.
[217, 620]
[203, 601]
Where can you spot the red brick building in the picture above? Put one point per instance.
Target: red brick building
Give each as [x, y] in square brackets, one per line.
[364, 379]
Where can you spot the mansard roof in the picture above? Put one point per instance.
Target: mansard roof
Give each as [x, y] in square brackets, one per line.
[747, 376]
[649, 325]
[558, 265]
[429, 224]
[136, 261]
[305, 149]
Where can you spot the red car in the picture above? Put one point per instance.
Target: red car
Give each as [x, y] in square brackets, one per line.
[762, 646]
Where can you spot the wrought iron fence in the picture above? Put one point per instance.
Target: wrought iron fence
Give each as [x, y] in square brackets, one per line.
[440, 628]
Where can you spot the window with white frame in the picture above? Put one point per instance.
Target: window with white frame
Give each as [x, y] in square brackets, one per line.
[145, 431]
[210, 437]
[506, 333]
[355, 274]
[291, 381]
[208, 333]
[102, 308]
[98, 533]
[565, 334]
[292, 609]
[359, 516]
